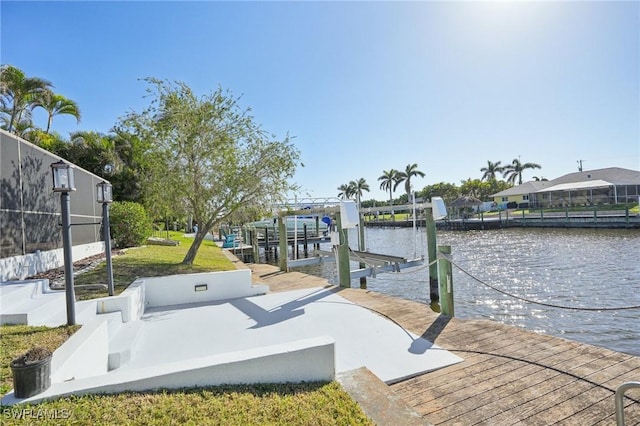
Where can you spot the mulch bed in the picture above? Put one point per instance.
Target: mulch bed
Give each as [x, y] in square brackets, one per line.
[80, 266]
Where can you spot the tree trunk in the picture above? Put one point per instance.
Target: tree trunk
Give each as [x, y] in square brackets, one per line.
[193, 250]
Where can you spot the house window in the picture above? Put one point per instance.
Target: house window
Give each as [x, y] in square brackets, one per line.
[525, 197]
[505, 198]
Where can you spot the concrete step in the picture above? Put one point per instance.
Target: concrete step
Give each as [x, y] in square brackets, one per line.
[123, 343]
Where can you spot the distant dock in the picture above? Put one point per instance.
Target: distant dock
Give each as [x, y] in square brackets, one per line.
[596, 219]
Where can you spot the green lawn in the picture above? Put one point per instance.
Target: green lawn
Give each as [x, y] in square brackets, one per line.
[273, 404]
[153, 261]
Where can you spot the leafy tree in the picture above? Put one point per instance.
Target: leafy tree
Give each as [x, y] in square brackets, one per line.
[491, 170]
[52, 142]
[483, 190]
[410, 171]
[498, 186]
[17, 94]
[514, 170]
[447, 191]
[93, 151]
[388, 182]
[208, 157]
[127, 175]
[55, 105]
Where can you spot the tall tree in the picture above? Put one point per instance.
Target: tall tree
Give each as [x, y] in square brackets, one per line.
[209, 156]
[55, 105]
[357, 186]
[93, 151]
[514, 170]
[491, 170]
[388, 182]
[346, 191]
[477, 188]
[447, 191]
[18, 92]
[410, 171]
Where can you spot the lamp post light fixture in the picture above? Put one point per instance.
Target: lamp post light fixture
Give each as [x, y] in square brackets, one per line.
[63, 183]
[104, 195]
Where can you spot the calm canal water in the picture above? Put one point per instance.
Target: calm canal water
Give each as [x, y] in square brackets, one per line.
[570, 267]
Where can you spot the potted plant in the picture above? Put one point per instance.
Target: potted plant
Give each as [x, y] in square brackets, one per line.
[31, 372]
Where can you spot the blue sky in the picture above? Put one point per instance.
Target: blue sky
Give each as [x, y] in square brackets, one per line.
[363, 86]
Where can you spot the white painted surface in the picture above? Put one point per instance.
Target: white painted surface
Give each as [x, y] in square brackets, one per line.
[20, 267]
[363, 338]
[180, 289]
[84, 354]
[305, 360]
[130, 303]
[240, 340]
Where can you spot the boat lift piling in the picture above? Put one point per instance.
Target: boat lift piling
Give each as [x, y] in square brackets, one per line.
[377, 262]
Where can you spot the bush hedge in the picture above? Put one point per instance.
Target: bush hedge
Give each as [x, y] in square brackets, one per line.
[130, 224]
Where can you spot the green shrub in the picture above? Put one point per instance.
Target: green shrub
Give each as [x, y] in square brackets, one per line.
[130, 224]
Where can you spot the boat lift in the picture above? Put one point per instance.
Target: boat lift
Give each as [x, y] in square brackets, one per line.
[348, 216]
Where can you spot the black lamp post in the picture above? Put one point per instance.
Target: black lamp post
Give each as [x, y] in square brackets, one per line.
[104, 195]
[63, 183]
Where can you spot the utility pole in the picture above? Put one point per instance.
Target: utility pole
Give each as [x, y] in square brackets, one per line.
[579, 165]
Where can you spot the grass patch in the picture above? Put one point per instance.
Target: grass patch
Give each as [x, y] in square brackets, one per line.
[153, 261]
[398, 217]
[17, 339]
[291, 404]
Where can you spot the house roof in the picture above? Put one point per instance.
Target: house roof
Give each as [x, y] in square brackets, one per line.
[525, 188]
[579, 180]
[598, 183]
[613, 175]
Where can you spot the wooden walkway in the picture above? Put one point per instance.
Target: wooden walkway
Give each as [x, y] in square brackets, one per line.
[509, 376]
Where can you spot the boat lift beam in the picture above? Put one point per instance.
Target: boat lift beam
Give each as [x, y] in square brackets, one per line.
[377, 263]
[391, 267]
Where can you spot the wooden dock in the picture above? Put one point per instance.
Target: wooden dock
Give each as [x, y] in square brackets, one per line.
[509, 375]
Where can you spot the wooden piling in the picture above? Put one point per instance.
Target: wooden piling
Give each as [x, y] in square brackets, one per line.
[445, 281]
[344, 269]
[432, 255]
[266, 243]
[282, 242]
[361, 247]
[256, 247]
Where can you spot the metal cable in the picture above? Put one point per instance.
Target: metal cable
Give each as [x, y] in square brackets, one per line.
[551, 305]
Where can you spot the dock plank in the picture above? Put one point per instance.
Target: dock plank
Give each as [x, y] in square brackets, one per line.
[508, 376]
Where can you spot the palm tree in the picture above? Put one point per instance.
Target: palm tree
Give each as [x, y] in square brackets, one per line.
[346, 191]
[388, 181]
[23, 128]
[514, 170]
[491, 170]
[357, 187]
[409, 171]
[18, 92]
[55, 105]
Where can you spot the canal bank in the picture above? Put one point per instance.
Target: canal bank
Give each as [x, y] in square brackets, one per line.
[604, 219]
[508, 375]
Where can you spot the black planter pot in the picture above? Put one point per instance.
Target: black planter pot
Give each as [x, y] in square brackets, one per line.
[31, 379]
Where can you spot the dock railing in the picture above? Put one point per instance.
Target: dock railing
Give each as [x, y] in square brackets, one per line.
[620, 400]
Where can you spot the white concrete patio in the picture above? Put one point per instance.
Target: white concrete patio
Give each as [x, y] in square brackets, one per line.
[222, 329]
[363, 338]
